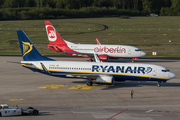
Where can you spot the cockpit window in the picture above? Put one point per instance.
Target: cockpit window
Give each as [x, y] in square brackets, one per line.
[165, 70]
[137, 49]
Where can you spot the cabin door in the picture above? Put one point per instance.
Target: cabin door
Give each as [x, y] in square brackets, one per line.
[154, 72]
[129, 51]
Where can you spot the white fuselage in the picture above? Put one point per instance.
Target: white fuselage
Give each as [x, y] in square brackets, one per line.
[121, 51]
[127, 71]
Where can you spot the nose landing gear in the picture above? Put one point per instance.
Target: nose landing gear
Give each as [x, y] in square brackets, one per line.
[159, 85]
[160, 82]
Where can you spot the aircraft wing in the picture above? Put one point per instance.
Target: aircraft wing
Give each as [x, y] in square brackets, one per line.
[78, 53]
[90, 76]
[84, 75]
[89, 54]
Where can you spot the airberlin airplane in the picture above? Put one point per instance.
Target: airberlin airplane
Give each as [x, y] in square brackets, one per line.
[94, 72]
[104, 52]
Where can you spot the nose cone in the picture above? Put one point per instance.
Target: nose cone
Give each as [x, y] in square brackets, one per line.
[142, 53]
[171, 75]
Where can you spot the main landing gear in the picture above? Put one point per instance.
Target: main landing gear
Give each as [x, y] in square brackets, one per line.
[91, 60]
[90, 83]
[133, 59]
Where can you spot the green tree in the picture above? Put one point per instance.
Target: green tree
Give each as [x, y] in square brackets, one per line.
[60, 4]
[135, 4]
[156, 6]
[167, 3]
[175, 4]
[1, 3]
[7, 3]
[96, 3]
[147, 5]
[175, 7]
[30, 3]
[85, 3]
[106, 3]
[49, 3]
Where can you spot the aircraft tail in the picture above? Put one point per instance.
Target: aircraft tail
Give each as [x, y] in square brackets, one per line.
[28, 50]
[53, 35]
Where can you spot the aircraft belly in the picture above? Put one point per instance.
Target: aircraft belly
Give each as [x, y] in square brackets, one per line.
[136, 78]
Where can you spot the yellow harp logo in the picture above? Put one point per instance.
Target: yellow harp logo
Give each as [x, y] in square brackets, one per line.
[27, 47]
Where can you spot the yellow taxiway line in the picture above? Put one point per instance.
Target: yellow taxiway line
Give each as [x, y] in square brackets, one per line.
[82, 87]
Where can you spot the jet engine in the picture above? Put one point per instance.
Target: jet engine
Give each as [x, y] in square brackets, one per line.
[105, 79]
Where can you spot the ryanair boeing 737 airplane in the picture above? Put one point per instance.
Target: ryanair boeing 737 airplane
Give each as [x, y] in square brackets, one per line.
[95, 72]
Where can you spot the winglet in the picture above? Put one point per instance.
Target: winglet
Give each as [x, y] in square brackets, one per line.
[45, 69]
[96, 58]
[98, 42]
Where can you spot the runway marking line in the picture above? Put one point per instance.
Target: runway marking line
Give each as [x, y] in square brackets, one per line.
[16, 99]
[82, 87]
[51, 86]
[117, 114]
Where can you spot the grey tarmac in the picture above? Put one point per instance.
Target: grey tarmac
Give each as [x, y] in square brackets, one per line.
[20, 86]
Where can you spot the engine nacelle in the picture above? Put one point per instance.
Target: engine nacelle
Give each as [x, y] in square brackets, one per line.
[105, 79]
[103, 57]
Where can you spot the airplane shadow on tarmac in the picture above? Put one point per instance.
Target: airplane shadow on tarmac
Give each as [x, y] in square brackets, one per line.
[45, 114]
[139, 84]
[132, 84]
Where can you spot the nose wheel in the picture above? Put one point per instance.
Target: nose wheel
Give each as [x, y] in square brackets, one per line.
[159, 85]
[161, 82]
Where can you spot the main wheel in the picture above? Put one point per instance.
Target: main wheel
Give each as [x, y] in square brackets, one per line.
[35, 112]
[30, 108]
[89, 83]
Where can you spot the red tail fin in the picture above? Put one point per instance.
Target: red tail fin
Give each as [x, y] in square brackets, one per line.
[53, 35]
